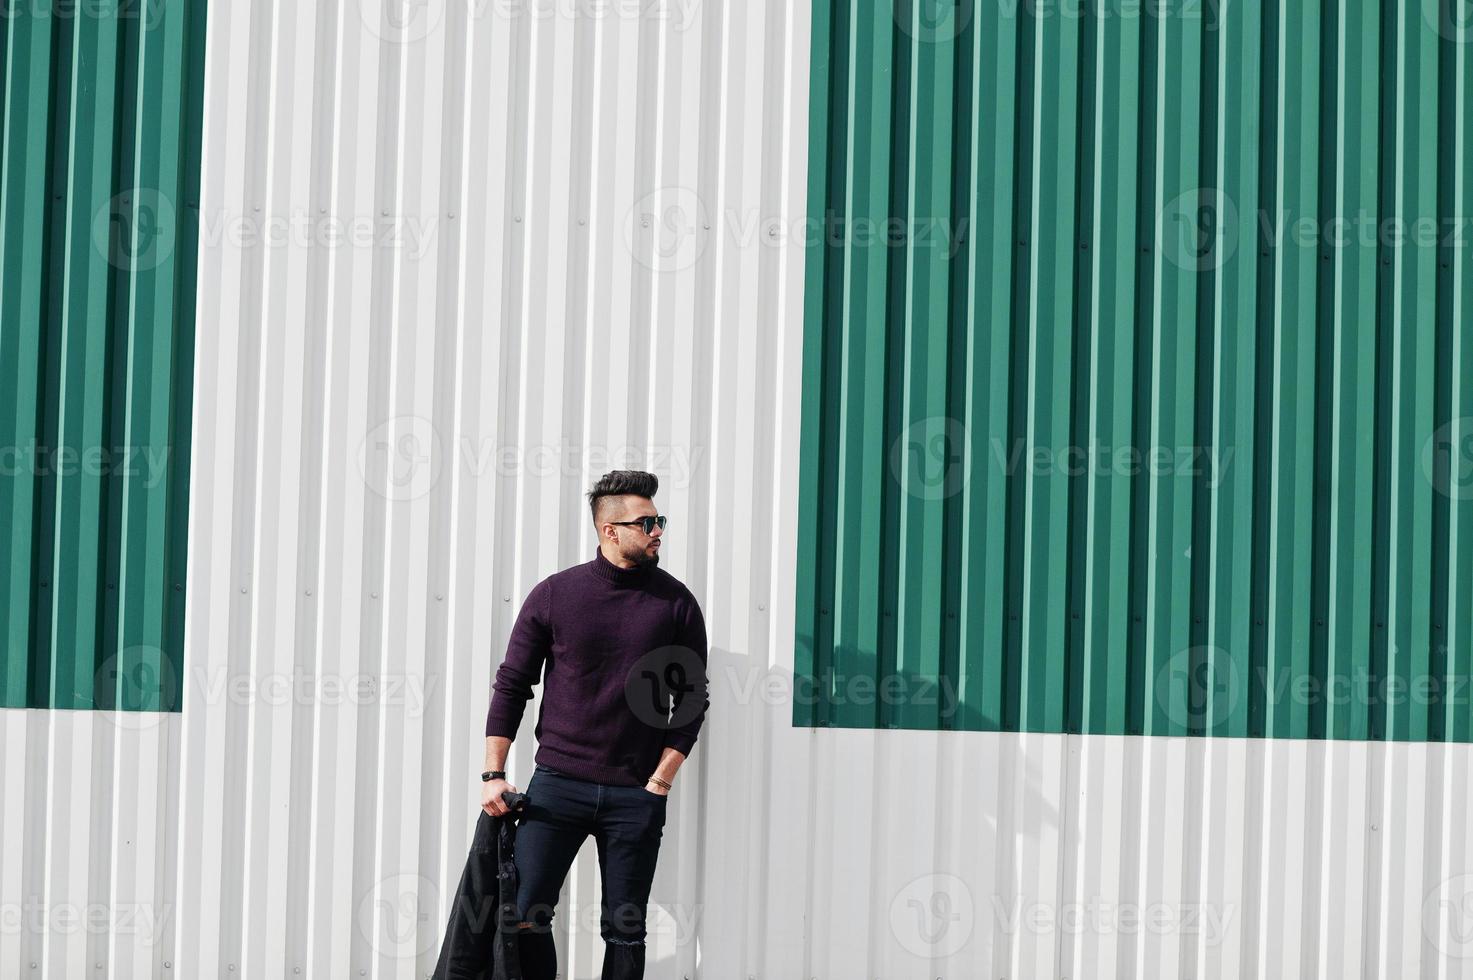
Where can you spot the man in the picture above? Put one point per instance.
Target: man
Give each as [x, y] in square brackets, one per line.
[620, 640]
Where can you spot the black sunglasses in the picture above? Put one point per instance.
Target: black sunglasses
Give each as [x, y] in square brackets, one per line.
[647, 523]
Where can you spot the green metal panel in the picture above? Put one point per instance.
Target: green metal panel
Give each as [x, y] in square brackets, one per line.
[99, 177]
[1138, 390]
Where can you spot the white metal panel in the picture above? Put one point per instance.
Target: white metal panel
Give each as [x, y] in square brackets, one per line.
[89, 824]
[905, 854]
[399, 450]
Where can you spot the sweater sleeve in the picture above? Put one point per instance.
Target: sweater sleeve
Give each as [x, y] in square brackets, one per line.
[692, 637]
[526, 651]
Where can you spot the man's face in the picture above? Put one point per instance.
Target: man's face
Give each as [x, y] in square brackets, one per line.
[634, 545]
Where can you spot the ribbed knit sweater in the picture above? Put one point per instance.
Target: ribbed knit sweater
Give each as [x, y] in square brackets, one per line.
[617, 650]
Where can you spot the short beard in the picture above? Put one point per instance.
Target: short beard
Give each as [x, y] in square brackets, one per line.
[642, 559]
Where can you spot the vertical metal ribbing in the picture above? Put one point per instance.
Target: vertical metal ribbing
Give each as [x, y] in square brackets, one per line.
[100, 148]
[1193, 239]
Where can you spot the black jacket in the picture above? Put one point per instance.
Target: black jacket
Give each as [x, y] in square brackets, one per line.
[481, 936]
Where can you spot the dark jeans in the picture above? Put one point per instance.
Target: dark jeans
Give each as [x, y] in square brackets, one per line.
[627, 823]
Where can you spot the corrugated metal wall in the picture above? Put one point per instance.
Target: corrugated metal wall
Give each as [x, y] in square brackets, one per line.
[462, 269]
[98, 192]
[1151, 322]
[390, 442]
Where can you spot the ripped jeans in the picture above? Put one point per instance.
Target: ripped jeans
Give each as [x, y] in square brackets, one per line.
[627, 823]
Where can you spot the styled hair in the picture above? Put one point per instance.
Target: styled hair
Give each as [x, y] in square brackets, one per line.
[617, 483]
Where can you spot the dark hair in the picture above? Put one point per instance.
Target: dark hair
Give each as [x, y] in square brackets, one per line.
[619, 482]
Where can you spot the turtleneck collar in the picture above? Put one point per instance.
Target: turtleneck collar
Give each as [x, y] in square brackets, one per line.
[609, 572]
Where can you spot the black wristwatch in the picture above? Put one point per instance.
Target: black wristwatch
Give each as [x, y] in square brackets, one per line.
[486, 777]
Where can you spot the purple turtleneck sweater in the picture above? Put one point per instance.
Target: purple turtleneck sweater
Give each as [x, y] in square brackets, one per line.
[616, 650]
